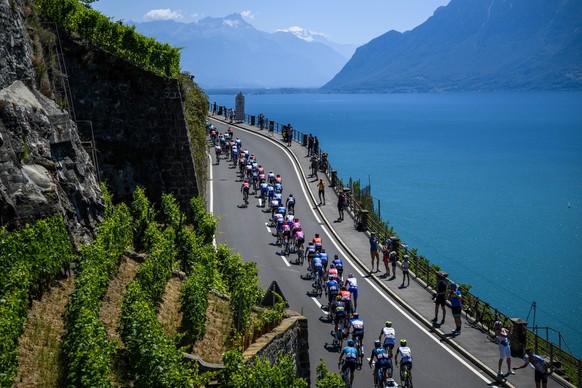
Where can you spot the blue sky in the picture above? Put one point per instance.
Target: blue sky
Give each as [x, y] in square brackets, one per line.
[342, 21]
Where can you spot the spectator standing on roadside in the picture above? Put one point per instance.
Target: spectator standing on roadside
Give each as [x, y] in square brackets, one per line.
[341, 204]
[214, 108]
[539, 364]
[321, 191]
[394, 260]
[310, 141]
[440, 298]
[386, 257]
[315, 146]
[289, 134]
[405, 275]
[502, 334]
[456, 306]
[314, 166]
[374, 255]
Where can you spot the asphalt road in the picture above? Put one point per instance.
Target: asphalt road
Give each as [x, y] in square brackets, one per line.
[244, 230]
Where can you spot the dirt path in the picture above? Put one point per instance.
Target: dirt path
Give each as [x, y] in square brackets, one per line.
[169, 313]
[111, 307]
[39, 346]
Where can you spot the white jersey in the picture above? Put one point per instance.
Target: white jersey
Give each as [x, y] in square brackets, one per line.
[388, 332]
[353, 282]
[405, 353]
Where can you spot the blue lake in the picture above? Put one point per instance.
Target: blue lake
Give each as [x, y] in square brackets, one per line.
[486, 185]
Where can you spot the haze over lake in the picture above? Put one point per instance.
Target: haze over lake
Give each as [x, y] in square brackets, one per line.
[486, 185]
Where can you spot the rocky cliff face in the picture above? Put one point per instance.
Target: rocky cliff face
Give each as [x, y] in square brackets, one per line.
[44, 169]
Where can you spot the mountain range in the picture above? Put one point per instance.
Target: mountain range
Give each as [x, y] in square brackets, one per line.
[230, 53]
[474, 45]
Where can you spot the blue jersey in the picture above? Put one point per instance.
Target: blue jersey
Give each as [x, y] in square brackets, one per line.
[338, 263]
[324, 257]
[351, 354]
[381, 355]
[332, 287]
[317, 263]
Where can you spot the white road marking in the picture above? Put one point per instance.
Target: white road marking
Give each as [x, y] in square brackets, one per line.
[319, 305]
[267, 226]
[211, 200]
[285, 261]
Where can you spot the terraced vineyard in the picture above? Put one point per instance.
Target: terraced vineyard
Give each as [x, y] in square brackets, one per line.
[122, 318]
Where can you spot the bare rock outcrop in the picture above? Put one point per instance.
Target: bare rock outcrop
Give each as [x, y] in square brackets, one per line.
[44, 169]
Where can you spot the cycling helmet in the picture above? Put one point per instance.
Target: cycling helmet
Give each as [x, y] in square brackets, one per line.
[498, 324]
[402, 342]
[316, 234]
[322, 250]
[377, 343]
[296, 219]
[356, 314]
[339, 297]
[350, 342]
[336, 256]
[299, 229]
[332, 265]
[351, 275]
[388, 324]
[270, 172]
[290, 195]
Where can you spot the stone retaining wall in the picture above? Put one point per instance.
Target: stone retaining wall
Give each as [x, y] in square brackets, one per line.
[289, 338]
[137, 121]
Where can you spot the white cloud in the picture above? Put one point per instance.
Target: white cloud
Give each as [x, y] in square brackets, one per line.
[162, 14]
[231, 23]
[248, 14]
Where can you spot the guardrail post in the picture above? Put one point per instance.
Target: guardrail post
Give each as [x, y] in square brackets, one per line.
[253, 120]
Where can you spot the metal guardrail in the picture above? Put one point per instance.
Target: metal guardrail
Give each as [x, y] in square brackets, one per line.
[367, 217]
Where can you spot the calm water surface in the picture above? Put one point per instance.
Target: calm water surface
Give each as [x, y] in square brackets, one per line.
[486, 185]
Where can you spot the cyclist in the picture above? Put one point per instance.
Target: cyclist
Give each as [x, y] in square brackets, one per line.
[332, 291]
[244, 188]
[238, 143]
[405, 357]
[317, 268]
[217, 151]
[339, 309]
[383, 361]
[264, 189]
[271, 177]
[310, 252]
[255, 175]
[290, 203]
[286, 235]
[324, 258]
[389, 337]
[299, 237]
[351, 362]
[278, 179]
[332, 273]
[296, 225]
[317, 242]
[356, 327]
[352, 286]
[278, 187]
[347, 298]
[339, 265]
